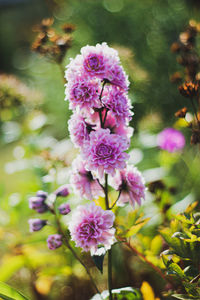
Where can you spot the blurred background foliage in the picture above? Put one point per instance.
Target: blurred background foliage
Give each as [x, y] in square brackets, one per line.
[36, 153]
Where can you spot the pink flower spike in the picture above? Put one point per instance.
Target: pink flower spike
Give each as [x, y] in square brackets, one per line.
[130, 183]
[91, 226]
[117, 102]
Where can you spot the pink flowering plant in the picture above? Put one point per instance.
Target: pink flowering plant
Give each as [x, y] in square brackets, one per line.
[97, 92]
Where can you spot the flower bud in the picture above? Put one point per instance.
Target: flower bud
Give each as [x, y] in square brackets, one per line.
[38, 204]
[36, 224]
[64, 209]
[42, 194]
[62, 191]
[54, 241]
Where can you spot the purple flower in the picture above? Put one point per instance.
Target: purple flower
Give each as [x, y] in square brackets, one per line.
[91, 226]
[130, 183]
[36, 224]
[64, 209]
[116, 76]
[54, 241]
[100, 61]
[38, 203]
[116, 101]
[79, 129]
[96, 59]
[120, 129]
[84, 182]
[94, 64]
[62, 191]
[105, 152]
[83, 93]
[171, 140]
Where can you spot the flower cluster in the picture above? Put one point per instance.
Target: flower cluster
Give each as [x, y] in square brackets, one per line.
[97, 91]
[42, 204]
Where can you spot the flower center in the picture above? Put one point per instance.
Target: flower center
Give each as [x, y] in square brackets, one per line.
[89, 230]
[94, 63]
[104, 150]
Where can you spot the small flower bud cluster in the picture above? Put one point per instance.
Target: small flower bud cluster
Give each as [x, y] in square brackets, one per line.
[38, 203]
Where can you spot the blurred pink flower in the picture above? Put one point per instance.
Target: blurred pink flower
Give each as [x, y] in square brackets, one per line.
[171, 140]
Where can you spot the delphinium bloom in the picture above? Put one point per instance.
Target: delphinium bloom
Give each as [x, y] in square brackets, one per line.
[171, 140]
[117, 102]
[83, 93]
[130, 183]
[79, 129]
[120, 128]
[84, 181]
[54, 241]
[91, 226]
[105, 152]
[98, 61]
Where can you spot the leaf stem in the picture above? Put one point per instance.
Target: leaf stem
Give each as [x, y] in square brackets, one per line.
[133, 249]
[116, 200]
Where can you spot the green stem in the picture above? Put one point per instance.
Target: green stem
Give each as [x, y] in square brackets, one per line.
[116, 200]
[109, 251]
[100, 110]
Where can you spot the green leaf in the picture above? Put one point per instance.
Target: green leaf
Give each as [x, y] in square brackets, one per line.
[156, 245]
[136, 228]
[184, 297]
[9, 293]
[98, 260]
[10, 266]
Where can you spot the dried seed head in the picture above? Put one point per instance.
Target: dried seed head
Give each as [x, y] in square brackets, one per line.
[176, 77]
[181, 112]
[188, 89]
[175, 47]
[68, 28]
